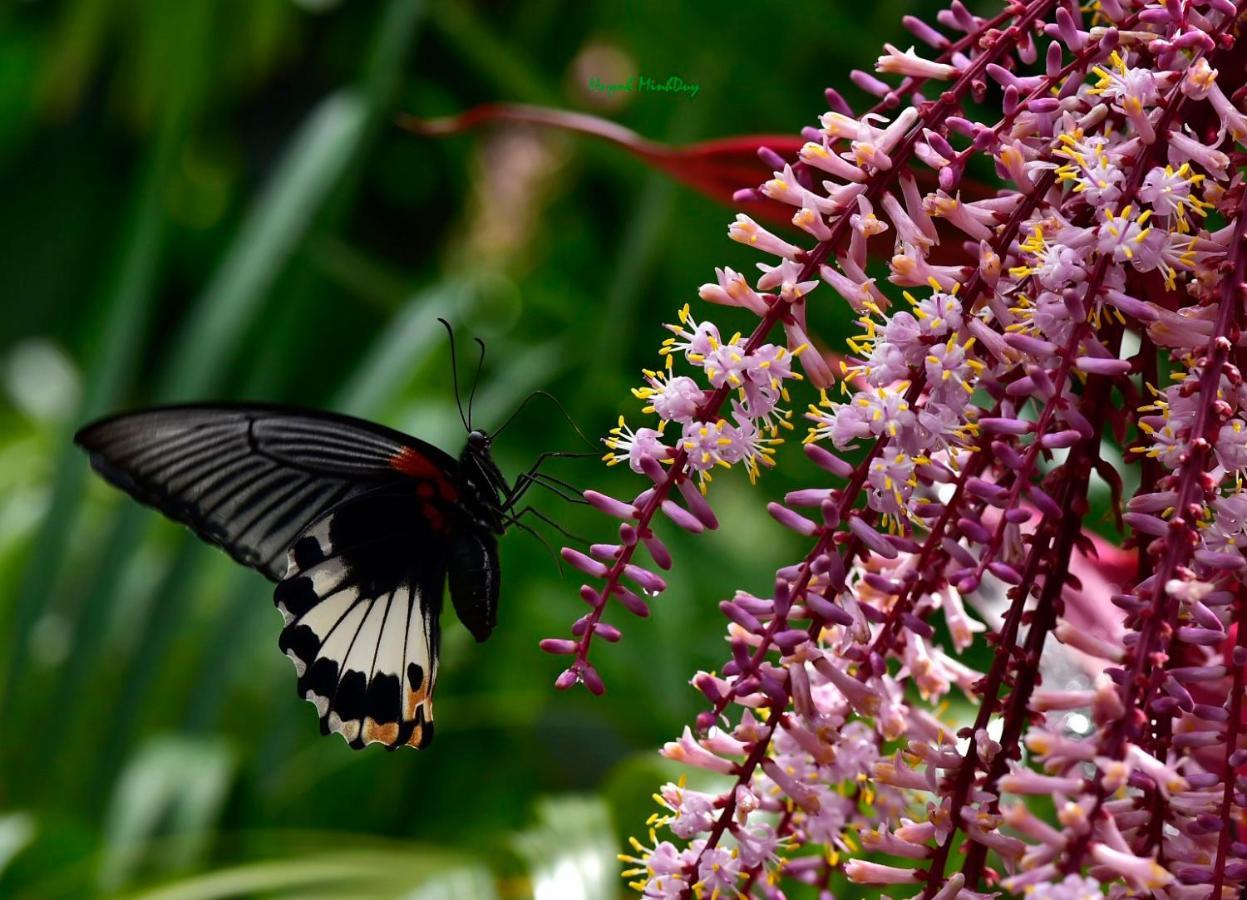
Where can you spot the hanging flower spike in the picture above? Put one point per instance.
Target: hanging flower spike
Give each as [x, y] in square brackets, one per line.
[1094, 304]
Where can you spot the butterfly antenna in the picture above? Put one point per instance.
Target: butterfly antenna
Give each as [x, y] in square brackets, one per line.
[562, 409]
[480, 364]
[454, 373]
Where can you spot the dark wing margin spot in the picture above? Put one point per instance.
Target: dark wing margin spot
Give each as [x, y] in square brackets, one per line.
[415, 676]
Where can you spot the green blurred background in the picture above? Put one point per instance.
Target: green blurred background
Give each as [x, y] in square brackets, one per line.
[208, 199]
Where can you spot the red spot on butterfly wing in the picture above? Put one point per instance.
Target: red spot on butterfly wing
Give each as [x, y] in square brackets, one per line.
[415, 464]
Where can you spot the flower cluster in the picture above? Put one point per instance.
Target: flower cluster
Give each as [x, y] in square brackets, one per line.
[1026, 341]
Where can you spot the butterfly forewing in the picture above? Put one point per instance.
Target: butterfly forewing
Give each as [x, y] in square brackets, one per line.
[361, 602]
[252, 478]
[358, 524]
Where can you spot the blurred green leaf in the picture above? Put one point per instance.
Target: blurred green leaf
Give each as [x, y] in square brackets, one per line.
[173, 787]
[17, 830]
[571, 850]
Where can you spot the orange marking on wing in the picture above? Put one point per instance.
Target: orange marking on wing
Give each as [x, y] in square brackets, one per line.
[377, 733]
[414, 699]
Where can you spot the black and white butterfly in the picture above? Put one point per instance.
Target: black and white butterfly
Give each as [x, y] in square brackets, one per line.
[359, 525]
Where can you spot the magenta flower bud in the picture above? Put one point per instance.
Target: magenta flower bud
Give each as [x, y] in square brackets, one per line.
[578, 560]
[1060, 439]
[904, 544]
[880, 583]
[566, 679]
[610, 505]
[1054, 60]
[592, 680]
[782, 600]
[998, 425]
[968, 585]
[871, 538]
[653, 469]
[1007, 456]
[658, 552]
[825, 610]
[631, 602]
[1224, 561]
[790, 639]
[1005, 572]
[590, 596]
[1211, 713]
[682, 517]
[558, 646]
[807, 497]
[697, 505]
[1031, 345]
[917, 625]
[959, 553]
[705, 720]
[580, 626]
[828, 461]
[1096, 366]
[789, 519]
[831, 513]
[607, 632]
[645, 579]
[1145, 524]
[869, 83]
[1046, 504]
[1018, 516]
[974, 531]
[837, 103]
[770, 158]
[985, 490]
[606, 552]
[802, 795]
[1203, 636]
[709, 686]
[924, 32]
[1193, 674]
[737, 614]
[1023, 387]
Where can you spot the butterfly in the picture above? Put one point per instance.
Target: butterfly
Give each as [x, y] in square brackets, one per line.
[360, 526]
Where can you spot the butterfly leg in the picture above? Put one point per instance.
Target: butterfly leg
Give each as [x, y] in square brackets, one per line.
[533, 511]
[533, 475]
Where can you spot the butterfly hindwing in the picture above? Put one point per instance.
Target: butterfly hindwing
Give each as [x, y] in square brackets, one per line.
[251, 478]
[361, 601]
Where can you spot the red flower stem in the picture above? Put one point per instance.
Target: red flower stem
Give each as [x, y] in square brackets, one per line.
[1044, 617]
[1233, 727]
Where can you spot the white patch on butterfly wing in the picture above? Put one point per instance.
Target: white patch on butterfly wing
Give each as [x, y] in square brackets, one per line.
[349, 729]
[322, 617]
[318, 530]
[300, 667]
[388, 663]
[359, 660]
[393, 635]
[336, 647]
[419, 652]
